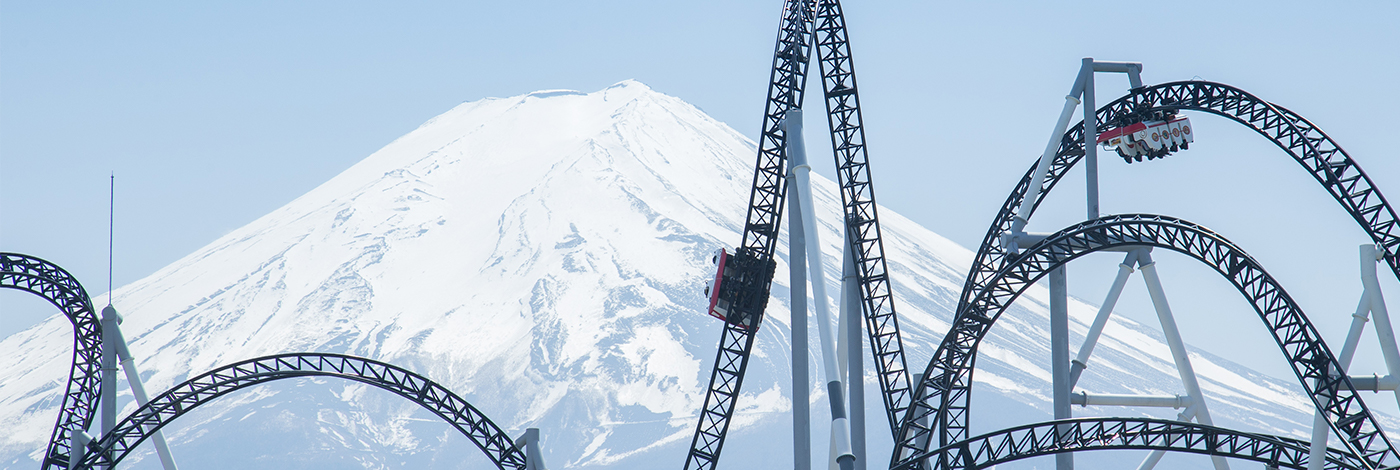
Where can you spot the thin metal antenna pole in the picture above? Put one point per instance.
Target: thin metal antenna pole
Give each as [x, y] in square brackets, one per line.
[111, 231]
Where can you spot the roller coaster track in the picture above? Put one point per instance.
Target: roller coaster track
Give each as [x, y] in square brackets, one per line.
[945, 392]
[1341, 176]
[858, 197]
[183, 398]
[785, 91]
[79, 405]
[1329, 165]
[1033, 440]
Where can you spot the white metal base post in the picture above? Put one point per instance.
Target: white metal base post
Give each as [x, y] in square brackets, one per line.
[1372, 301]
[1059, 359]
[1177, 347]
[117, 340]
[801, 382]
[797, 156]
[851, 319]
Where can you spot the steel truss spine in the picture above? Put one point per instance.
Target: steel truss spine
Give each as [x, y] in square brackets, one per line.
[1341, 176]
[945, 392]
[1075, 435]
[785, 90]
[858, 197]
[183, 398]
[80, 397]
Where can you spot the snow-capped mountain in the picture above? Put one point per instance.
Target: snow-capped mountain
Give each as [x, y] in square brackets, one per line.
[543, 256]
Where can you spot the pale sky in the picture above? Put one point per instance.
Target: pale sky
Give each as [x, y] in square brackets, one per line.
[213, 115]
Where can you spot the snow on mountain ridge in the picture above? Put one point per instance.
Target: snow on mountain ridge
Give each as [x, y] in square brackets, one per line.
[540, 255]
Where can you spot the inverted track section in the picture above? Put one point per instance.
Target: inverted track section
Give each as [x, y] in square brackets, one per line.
[1341, 176]
[61, 289]
[183, 398]
[945, 393]
[858, 196]
[785, 90]
[1054, 437]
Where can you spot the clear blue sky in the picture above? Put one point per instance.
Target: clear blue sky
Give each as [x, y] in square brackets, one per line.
[214, 114]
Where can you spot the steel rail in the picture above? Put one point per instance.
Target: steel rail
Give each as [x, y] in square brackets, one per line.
[945, 392]
[80, 397]
[1088, 434]
[858, 197]
[1318, 153]
[182, 398]
[754, 258]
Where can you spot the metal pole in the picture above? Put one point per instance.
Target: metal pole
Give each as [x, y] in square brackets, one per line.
[1091, 136]
[797, 155]
[855, 364]
[1059, 356]
[1091, 339]
[1023, 212]
[1317, 452]
[1177, 346]
[138, 388]
[1384, 332]
[801, 382]
[109, 369]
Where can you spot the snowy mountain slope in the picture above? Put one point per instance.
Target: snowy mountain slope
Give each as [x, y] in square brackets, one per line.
[543, 256]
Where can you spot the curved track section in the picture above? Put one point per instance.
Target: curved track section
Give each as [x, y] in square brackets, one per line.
[946, 390]
[1306, 143]
[79, 406]
[1054, 437]
[163, 409]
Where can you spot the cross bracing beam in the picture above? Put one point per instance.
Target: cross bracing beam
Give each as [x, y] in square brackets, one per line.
[945, 392]
[1083, 434]
[182, 398]
[80, 397]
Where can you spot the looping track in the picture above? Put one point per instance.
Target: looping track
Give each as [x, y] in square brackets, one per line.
[1299, 138]
[945, 392]
[51, 282]
[163, 409]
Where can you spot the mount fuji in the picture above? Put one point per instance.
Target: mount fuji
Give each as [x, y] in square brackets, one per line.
[544, 257]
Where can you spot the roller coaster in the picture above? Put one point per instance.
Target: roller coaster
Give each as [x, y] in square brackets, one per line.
[929, 419]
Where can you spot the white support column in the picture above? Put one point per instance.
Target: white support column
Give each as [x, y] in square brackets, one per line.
[1384, 332]
[1372, 300]
[797, 156]
[801, 381]
[138, 388]
[1059, 356]
[1091, 339]
[1177, 346]
[530, 444]
[852, 317]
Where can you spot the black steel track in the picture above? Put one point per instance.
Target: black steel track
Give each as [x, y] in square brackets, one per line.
[1341, 176]
[55, 285]
[945, 393]
[785, 89]
[1073, 435]
[173, 403]
[858, 197]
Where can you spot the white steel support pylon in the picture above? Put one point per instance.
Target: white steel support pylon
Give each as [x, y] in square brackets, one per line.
[115, 350]
[1372, 303]
[801, 190]
[1193, 404]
